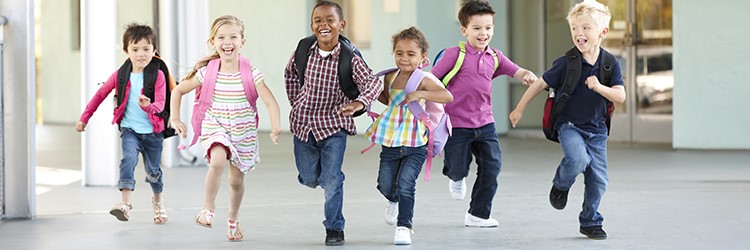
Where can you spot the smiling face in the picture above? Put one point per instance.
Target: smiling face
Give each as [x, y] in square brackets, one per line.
[408, 55]
[479, 30]
[586, 32]
[228, 40]
[140, 54]
[326, 26]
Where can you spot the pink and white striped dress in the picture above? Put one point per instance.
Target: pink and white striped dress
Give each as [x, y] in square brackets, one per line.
[231, 121]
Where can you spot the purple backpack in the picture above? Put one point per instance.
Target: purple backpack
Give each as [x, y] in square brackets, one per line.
[432, 115]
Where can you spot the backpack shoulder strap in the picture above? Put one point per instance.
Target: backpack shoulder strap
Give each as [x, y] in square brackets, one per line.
[203, 97]
[123, 76]
[494, 58]
[150, 73]
[411, 85]
[346, 80]
[606, 66]
[572, 75]
[301, 55]
[209, 81]
[248, 80]
[459, 61]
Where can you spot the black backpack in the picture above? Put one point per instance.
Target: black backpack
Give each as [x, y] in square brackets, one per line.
[553, 106]
[346, 81]
[149, 80]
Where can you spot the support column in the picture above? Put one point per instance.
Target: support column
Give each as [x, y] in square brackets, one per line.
[100, 142]
[19, 109]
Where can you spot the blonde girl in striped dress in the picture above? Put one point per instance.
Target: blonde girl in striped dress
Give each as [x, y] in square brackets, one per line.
[402, 136]
[228, 129]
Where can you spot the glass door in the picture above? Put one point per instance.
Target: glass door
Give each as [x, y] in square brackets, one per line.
[641, 38]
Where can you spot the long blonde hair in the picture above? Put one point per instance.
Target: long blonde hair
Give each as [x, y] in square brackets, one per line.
[218, 22]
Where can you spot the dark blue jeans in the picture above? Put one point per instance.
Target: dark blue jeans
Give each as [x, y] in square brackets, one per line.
[319, 163]
[483, 144]
[583, 152]
[149, 145]
[397, 178]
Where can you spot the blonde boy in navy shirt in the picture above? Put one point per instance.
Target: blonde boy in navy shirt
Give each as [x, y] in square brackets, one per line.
[581, 125]
[471, 111]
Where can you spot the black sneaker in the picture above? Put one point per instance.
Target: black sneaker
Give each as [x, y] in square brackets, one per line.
[558, 198]
[594, 232]
[334, 238]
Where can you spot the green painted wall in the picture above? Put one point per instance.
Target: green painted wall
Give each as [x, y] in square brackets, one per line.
[711, 75]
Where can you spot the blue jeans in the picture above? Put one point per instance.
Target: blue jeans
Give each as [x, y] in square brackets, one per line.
[481, 142]
[583, 152]
[149, 145]
[319, 163]
[397, 178]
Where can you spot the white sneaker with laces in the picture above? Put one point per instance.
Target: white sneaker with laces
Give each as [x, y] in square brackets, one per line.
[457, 188]
[473, 221]
[402, 236]
[391, 213]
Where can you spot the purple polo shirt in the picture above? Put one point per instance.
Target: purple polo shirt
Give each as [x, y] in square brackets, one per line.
[472, 85]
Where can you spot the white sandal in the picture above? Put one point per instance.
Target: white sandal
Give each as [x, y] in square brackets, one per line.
[205, 215]
[160, 214]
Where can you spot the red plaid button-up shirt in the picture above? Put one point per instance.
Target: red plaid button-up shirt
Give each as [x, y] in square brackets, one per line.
[314, 104]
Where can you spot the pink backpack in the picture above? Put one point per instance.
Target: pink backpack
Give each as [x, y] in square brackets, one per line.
[204, 93]
[432, 115]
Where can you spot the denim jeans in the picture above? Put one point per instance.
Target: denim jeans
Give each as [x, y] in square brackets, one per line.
[149, 145]
[583, 152]
[481, 142]
[319, 163]
[397, 178]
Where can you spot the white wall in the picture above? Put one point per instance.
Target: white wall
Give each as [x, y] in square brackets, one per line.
[711, 75]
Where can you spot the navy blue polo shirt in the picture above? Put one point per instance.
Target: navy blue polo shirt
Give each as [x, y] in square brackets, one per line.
[585, 108]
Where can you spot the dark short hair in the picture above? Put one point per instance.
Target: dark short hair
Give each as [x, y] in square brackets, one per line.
[471, 8]
[336, 6]
[412, 33]
[136, 32]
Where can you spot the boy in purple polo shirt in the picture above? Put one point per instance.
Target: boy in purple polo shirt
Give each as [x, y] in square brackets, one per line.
[580, 126]
[471, 111]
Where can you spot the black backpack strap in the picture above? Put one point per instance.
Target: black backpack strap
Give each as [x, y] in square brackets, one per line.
[301, 55]
[572, 75]
[123, 76]
[605, 77]
[605, 70]
[346, 79]
[150, 73]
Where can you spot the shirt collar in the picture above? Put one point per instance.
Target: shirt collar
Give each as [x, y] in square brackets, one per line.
[335, 50]
[473, 51]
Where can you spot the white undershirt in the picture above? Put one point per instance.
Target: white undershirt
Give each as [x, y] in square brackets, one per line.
[324, 53]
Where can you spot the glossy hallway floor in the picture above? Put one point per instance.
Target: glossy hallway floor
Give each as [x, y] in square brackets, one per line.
[658, 198]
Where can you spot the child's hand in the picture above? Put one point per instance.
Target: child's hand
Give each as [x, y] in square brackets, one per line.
[144, 101]
[275, 135]
[529, 78]
[179, 127]
[80, 126]
[515, 117]
[350, 108]
[413, 96]
[593, 83]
